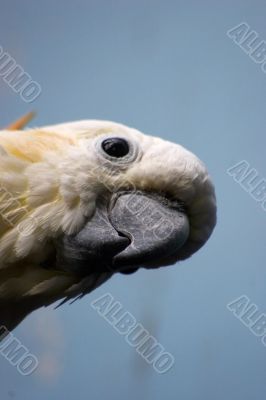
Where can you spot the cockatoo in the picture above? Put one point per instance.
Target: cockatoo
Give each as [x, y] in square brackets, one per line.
[83, 200]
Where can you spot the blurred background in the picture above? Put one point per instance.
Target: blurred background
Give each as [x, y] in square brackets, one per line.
[169, 69]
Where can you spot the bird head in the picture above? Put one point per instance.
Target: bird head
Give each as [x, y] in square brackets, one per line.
[92, 198]
[131, 200]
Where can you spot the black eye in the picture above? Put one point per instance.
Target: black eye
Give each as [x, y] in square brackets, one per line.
[115, 147]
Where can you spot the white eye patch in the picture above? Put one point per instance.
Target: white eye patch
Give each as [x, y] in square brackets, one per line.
[117, 150]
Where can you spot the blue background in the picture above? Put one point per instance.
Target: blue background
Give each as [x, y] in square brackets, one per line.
[169, 69]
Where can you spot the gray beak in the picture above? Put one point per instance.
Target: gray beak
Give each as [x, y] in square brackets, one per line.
[128, 231]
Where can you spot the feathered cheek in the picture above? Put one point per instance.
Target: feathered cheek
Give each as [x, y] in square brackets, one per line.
[75, 217]
[79, 206]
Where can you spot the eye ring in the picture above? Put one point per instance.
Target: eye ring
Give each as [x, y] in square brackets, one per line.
[130, 149]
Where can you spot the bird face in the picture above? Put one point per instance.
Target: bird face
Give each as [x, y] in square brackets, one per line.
[132, 201]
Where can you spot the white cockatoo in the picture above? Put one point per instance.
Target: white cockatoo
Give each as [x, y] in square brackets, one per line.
[83, 200]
